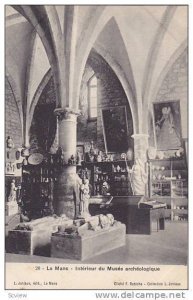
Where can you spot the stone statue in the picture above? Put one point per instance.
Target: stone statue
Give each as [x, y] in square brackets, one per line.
[139, 177]
[13, 189]
[84, 198]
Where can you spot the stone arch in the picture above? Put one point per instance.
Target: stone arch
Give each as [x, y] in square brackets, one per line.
[104, 18]
[166, 68]
[154, 50]
[176, 55]
[37, 95]
[17, 98]
[96, 25]
[34, 15]
[124, 82]
[13, 119]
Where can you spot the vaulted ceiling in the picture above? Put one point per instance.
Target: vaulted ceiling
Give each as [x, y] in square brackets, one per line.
[140, 43]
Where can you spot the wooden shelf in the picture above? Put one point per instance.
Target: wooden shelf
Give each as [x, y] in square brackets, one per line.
[180, 211]
[170, 185]
[107, 173]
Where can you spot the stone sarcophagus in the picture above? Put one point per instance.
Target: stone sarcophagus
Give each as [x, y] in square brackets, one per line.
[34, 237]
[89, 240]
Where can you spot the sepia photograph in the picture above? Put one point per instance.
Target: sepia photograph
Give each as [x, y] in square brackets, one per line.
[96, 147]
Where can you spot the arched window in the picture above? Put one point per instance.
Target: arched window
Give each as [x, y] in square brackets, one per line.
[92, 98]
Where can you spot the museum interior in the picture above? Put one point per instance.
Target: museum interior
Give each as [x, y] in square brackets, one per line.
[96, 134]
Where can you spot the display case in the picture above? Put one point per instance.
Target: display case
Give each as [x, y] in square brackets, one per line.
[37, 189]
[109, 177]
[168, 181]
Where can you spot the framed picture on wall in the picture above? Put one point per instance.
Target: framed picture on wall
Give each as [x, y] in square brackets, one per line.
[167, 125]
[115, 129]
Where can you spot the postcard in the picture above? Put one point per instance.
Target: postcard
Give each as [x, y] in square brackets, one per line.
[96, 148]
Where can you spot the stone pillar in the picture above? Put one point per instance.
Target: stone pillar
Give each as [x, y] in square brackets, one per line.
[140, 168]
[66, 185]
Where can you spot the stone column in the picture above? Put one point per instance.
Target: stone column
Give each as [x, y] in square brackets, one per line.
[66, 186]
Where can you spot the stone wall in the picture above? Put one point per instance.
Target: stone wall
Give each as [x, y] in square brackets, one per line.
[110, 94]
[12, 119]
[86, 131]
[43, 125]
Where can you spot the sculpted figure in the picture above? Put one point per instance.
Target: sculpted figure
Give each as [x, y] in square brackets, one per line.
[138, 177]
[84, 197]
[13, 189]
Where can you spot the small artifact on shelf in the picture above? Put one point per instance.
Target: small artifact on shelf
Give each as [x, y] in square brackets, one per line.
[71, 160]
[25, 152]
[118, 168]
[35, 159]
[92, 153]
[10, 168]
[10, 147]
[151, 153]
[179, 152]
[99, 156]
[10, 143]
[105, 189]
[129, 154]
[123, 156]
[154, 177]
[160, 154]
[78, 158]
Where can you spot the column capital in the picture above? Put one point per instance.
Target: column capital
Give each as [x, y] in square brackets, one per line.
[66, 113]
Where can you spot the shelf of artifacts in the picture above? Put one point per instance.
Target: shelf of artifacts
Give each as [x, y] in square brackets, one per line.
[37, 189]
[110, 177]
[179, 209]
[168, 182]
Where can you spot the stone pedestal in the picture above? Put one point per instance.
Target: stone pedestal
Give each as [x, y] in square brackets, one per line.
[92, 243]
[11, 208]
